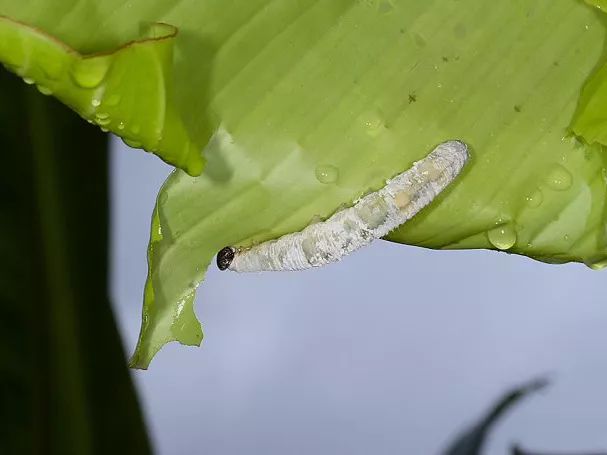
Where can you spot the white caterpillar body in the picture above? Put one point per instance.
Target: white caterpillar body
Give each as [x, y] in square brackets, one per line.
[370, 218]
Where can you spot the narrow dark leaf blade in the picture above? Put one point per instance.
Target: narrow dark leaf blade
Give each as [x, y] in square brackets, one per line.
[471, 442]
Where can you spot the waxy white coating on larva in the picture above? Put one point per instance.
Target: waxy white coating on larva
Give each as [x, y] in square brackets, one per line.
[371, 217]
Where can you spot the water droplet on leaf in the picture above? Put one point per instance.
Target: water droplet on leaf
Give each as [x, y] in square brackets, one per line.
[597, 264]
[559, 178]
[327, 174]
[112, 100]
[535, 199]
[502, 237]
[103, 121]
[90, 72]
[44, 90]
[373, 123]
[131, 143]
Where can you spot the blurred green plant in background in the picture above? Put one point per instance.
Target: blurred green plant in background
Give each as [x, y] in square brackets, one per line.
[474, 440]
[64, 385]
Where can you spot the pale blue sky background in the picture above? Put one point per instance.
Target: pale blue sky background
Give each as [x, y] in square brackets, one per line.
[391, 351]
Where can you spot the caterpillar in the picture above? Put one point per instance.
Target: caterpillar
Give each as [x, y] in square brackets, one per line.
[371, 217]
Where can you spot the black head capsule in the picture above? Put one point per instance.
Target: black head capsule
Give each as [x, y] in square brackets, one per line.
[225, 257]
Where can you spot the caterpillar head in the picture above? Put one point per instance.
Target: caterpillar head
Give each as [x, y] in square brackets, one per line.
[225, 257]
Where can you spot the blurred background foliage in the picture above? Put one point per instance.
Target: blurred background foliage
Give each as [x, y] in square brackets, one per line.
[474, 440]
[64, 385]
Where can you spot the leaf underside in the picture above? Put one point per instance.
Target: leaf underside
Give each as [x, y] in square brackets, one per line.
[291, 92]
[127, 90]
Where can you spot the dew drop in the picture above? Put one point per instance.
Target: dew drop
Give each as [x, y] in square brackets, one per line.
[559, 178]
[102, 115]
[105, 130]
[112, 100]
[28, 80]
[535, 199]
[131, 143]
[95, 102]
[103, 121]
[121, 126]
[90, 72]
[597, 263]
[44, 90]
[373, 124]
[502, 237]
[327, 174]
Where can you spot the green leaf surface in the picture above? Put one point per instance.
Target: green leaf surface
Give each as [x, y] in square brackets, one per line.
[357, 92]
[311, 104]
[127, 90]
[64, 385]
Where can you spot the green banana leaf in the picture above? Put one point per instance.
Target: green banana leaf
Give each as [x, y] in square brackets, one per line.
[64, 386]
[302, 106]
